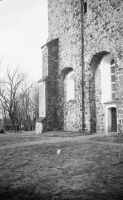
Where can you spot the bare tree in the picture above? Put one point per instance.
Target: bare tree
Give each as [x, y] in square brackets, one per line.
[28, 107]
[12, 91]
[35, 101]
[24, 114]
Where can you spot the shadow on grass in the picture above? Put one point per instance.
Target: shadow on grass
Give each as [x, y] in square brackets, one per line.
[30, 193]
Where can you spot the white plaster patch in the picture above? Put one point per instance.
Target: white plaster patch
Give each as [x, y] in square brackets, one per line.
[39, 128]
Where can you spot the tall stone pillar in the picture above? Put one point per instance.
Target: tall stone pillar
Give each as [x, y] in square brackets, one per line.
[48, 89]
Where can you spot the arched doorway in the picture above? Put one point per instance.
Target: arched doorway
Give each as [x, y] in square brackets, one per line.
[102, 93]
[95, 94]
[111, 116]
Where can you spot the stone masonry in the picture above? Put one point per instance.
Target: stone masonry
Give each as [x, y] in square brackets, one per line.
[81, 33]
[50, 77]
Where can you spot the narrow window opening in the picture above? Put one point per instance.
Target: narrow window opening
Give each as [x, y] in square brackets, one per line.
[85, 7]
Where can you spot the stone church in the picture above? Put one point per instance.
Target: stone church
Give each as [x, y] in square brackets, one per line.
[82, 67]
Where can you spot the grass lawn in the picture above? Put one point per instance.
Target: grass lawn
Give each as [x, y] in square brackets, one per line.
[109, 138]
[14, 138]
[20, 137]
[85, 171]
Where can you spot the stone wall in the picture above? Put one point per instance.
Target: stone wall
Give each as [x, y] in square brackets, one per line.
[65, 23]
[44, 61]
[100, 122]
[103, 31]
[50, 64]
[103, 34]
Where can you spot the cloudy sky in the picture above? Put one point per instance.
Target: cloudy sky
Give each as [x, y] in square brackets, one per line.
[23, 30]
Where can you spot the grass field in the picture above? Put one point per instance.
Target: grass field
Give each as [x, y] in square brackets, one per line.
[84, 170]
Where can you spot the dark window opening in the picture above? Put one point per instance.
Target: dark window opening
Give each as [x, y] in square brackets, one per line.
[85, 7]
[114, 120]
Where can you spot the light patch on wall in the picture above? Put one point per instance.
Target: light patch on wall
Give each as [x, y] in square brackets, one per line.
[42, 100]
[106, 78]
[71, 86]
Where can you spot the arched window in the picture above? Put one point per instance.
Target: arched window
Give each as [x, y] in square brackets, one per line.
[71, 86]
[108, 79]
